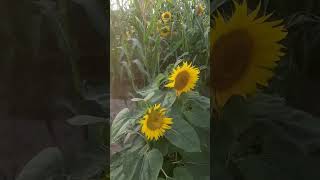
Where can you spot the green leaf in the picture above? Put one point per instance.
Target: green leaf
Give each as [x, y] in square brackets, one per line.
[162, 145]
[152, 165]
[158, 96]
[137, 99]
[294, 125]
[197, 163]
[181, 173]
[119, 121]
[197, 116]
[132, 164]
[169, 99]
[82, 120]
[195, 97]
[47, 163]
[183, 135]
[149, 96]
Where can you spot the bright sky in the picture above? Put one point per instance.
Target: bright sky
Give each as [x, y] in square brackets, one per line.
[114, 4]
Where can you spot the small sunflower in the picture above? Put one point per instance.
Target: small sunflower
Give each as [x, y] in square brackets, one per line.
[155, 123]
[184, 78]
[165, 31]
[244, 51]
[199, 10]
[166, 17]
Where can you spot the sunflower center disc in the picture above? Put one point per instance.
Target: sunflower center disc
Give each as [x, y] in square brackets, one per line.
[166, 16]
[231, 57]
[154, 121]
[181, 80]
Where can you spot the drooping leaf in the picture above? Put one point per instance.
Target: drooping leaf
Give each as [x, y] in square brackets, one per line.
[119, 122]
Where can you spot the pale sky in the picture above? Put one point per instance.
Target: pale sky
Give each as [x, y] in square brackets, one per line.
[114, 5]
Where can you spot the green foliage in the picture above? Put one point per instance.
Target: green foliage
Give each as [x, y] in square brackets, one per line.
[182, 146]
[143, 59]
[139, 53]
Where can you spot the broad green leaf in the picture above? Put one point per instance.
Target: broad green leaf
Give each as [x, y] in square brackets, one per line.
[45, 164]
[82, 120]
[132, 164]
[152, 165]
[119, 121]
[294, 125]
[197, 163]
[124, 128]
[197, 116]
[202, 101]
[181, 173]
[183, 135]
[162, 145]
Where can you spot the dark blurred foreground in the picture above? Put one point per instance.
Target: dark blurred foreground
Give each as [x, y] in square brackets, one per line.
[53, 66]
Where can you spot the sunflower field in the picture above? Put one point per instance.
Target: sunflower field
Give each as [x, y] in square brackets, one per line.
[160, 64]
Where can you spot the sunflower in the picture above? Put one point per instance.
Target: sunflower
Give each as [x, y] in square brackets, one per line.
[244, 51]
[184, 78]
[165, 31]
[166, 17]
[154, 123]
[199, 10]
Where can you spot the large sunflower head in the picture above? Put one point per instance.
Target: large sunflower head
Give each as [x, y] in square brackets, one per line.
[155, 123]
[183, 78]
[166, 17]
[165, 31]
[244, 50]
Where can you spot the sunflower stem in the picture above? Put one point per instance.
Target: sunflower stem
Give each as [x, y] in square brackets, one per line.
[165, 174]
